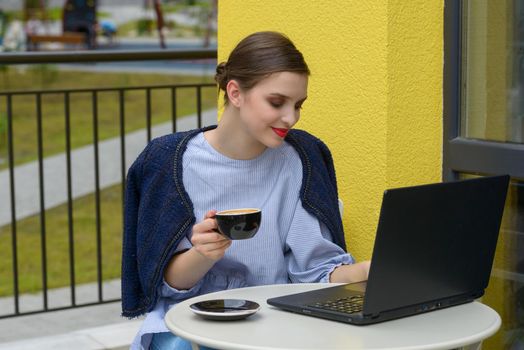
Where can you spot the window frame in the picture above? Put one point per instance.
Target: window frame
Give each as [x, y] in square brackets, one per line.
[464, 155]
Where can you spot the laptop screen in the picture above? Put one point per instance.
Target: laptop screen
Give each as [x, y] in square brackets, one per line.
[451, 230]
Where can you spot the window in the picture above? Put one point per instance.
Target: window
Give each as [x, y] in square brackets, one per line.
[484, 133]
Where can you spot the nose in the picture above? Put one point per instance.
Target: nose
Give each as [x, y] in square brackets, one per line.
[290, 117]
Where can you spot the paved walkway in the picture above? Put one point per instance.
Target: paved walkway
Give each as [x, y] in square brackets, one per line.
[112, 337]
[93, 327]
[82, 169]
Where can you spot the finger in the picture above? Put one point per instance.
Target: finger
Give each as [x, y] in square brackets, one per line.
[213, 249]
[210, 218]
[208, 237]
[208, 225]
[210, 214]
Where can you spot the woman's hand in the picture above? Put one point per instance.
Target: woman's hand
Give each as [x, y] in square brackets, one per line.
[186, 269]
[351, 273]
[208, 242]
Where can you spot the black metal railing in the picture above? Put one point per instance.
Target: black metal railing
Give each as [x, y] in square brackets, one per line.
[67, 96]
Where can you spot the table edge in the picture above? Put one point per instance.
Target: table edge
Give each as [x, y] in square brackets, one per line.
[477, 338]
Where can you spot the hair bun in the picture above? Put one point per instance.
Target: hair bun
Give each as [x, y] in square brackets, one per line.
[221, 75]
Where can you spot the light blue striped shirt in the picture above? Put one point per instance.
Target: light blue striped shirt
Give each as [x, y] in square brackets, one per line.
[291, 246]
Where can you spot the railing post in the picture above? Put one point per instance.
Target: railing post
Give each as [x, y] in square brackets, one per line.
[173, 108]
[122, 146]
[97, 196]
[42, 197]
[148, 113]
[199, 106]
[14, 244]
[70, 197]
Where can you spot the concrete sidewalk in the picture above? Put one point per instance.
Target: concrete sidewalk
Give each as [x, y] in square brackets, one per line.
[92, 327]
[112, 337]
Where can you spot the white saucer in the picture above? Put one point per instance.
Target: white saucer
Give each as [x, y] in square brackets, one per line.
[225, 309]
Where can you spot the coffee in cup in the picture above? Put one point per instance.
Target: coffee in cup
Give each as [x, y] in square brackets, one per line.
[240, 223]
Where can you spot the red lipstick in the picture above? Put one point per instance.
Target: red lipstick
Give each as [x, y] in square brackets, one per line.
[280, 132]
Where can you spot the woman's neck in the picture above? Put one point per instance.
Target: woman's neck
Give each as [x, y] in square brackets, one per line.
[231, 139]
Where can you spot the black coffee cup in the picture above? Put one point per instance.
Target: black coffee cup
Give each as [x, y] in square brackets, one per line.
[240, 223]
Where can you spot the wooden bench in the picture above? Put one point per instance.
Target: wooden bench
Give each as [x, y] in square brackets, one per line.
[34, 40]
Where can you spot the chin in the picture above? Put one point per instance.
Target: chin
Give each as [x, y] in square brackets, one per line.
[274, 143]
[270, 139]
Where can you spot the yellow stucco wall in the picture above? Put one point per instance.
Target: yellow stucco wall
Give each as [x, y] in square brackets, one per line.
[375, 93]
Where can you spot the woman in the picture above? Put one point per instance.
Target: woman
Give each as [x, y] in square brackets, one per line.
[252, 158]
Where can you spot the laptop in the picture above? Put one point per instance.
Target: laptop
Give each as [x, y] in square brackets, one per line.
[433, 249]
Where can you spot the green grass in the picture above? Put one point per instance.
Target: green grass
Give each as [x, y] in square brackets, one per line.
[81, 107]
[29, 242]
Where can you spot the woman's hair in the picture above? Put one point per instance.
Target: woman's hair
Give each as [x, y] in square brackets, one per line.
[256, 57]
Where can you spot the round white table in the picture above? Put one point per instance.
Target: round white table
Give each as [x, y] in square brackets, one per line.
[463, 326]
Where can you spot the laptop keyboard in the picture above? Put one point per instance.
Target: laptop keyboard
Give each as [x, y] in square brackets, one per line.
[350, 305]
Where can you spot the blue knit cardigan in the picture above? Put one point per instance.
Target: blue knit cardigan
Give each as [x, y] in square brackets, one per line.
[159, 213]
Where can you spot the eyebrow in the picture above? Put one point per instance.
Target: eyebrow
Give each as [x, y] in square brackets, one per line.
[285, 96]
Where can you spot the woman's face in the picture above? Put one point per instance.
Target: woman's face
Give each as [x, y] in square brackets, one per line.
[272, 106]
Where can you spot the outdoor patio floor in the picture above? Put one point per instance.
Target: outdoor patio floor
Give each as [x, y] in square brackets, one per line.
[90, 328]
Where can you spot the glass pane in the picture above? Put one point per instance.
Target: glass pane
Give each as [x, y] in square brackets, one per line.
[493, 70]
[505, 292]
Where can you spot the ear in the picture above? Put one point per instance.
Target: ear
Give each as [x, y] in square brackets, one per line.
[233, 93]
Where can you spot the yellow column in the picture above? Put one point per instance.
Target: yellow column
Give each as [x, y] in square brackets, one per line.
[375, 93]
